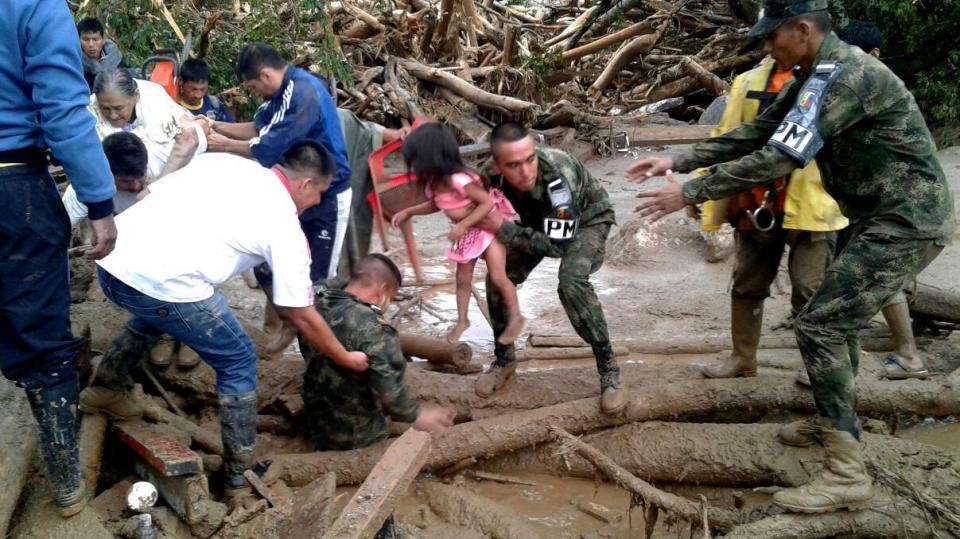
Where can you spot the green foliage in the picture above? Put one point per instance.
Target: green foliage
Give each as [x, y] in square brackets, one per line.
[296, 28]
[920, 44]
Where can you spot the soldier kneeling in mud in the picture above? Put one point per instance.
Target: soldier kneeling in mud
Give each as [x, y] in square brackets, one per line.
[346, 409]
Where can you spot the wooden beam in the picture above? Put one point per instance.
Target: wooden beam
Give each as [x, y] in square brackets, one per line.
[383, 488]
[672, 134]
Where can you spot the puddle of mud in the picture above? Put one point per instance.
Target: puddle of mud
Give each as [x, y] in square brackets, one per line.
[943, 434]
[552, 503]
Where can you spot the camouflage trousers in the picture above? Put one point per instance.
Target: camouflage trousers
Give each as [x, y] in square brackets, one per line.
[872, 269]
[579, 258]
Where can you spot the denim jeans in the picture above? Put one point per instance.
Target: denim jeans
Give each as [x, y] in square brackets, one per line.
[208, 327]
[37, 347]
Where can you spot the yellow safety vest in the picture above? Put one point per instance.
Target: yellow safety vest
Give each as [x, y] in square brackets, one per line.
[808, 206]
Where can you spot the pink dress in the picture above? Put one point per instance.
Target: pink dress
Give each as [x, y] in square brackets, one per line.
[476, 240]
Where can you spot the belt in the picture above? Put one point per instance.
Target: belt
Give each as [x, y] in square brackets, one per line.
[24, 156]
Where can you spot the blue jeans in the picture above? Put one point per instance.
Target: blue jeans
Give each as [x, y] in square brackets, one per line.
[37, 348]
[208, 327]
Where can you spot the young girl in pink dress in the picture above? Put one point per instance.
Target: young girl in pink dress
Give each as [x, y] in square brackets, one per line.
[433, 155]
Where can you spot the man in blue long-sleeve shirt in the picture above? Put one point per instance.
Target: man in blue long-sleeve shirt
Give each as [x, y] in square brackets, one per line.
[298, 107]
[43, 104]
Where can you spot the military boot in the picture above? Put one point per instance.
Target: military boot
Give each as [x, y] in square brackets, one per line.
[843, 484]
[113, 392]
[55, 409]
[499, 372]
[238, 428]
[802, 433]
[612, 396]
[162, 354]
[746, 318]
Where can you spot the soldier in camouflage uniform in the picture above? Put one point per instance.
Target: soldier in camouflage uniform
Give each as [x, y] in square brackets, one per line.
[878, 162]
[563, 213]
[348, 410]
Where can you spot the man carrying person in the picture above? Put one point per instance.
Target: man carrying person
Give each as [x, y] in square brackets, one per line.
[193, 93]
[44, 106]
[563, 213]
[232, 214]
[878, 161]
[127, 157]
[99, 53]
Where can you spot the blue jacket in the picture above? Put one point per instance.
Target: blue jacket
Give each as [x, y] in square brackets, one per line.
[301, 109]
[44, 98]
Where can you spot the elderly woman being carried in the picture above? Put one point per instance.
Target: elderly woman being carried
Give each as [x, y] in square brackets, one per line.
[172, 136]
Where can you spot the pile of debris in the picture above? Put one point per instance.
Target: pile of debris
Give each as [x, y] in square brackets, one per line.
[603, 64]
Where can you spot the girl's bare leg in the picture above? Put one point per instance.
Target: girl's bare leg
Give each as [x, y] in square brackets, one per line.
[464, 292]
[496, 258]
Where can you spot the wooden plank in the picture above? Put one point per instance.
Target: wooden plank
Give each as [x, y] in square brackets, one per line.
[379, 494]
[163, 453]
[93, 430]
[671, 134]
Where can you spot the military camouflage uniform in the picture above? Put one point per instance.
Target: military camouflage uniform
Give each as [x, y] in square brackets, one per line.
[579, 257]
[878, 162]
[345, 409]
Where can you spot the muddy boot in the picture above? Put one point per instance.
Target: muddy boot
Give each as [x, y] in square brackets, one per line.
[843, 484]
[161, 355]
[55, 409]
[746, 317]
[114, 393]
[187, 358]
[388, 530]
[238, 427]
[128, 404]
[499, 372]
[800, 433]
[612, 397]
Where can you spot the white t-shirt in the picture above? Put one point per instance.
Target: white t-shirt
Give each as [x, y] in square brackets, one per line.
[78, 210]
[207, 222]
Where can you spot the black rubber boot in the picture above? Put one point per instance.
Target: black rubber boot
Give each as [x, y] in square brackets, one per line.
[238, 427]
[612, 396]
[388, 530]
[55, 409]
[123, 356]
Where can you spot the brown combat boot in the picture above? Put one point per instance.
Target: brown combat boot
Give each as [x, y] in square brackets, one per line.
[843, 484]
[161, 355]
[128, 404]
[612, 396]
[187, 358]
[500, 371]
[746, 317]
[802, 433]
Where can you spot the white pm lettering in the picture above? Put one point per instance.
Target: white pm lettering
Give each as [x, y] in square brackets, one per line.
[793, 136]
[559, 229]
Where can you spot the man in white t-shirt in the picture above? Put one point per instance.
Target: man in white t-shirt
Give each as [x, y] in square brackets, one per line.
[221, 215]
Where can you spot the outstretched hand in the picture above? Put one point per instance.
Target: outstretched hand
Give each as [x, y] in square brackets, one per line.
[645, 169]
[662, 202]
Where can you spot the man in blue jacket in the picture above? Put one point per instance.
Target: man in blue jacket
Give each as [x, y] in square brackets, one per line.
[43, 104]
[298, 107]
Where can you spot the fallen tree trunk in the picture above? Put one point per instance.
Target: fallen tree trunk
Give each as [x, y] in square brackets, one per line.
[634, 30]
[719, 519]
[691, 399]
[714, 84]
[887, 523]
[730, 455]
[623, 56]
[464, 508]
[463, 88]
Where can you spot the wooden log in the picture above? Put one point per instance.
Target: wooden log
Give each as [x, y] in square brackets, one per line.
[896, 521]
[93, 431]
[443, 26]
[719, 519]
[714, 84]
[509, 45]
[464, 508]
[463, 88]
[691, 398]
[547, 354]
[379, 494]
[435, 350]
[633, 30]
[19, 448]
[932, 303]
[656, 91]
[624, 55]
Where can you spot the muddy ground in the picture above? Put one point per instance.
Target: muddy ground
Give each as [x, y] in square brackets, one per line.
[655, 286]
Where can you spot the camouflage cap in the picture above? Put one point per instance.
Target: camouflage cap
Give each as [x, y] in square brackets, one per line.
[776, 12]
